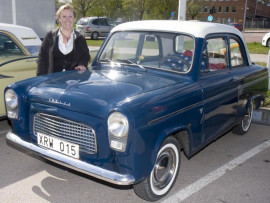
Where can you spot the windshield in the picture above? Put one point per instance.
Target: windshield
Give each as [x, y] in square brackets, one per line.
[167, 51]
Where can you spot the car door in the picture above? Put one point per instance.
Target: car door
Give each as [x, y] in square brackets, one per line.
[219, 88]
[101, 26]
[244, 75]
[15, 65]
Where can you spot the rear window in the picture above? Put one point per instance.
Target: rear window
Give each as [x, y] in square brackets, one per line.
[82, 21]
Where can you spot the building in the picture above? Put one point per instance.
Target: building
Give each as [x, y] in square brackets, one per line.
[252, 13]
[36, 14]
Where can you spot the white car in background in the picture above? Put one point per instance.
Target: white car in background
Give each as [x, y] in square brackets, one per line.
[266, 40]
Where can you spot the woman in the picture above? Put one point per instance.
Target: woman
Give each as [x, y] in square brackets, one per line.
[63, 49]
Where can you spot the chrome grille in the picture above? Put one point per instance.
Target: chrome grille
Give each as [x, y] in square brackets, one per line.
[64, 129]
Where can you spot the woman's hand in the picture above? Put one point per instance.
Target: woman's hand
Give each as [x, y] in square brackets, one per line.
[80, 68]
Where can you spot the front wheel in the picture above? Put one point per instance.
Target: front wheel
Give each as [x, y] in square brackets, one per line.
[164, 173]
[243, 127]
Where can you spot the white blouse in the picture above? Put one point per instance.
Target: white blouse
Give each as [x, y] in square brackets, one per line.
[66, 48]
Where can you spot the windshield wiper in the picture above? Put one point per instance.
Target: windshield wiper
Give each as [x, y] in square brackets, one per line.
[122, 62]
[130, 63]
[105, 60]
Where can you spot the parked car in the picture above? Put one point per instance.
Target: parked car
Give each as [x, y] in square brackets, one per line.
[155, 89]
[18, 49]
[95, 27]
[266, 40]
[238, 26]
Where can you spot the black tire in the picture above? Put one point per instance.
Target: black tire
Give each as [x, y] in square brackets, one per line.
[94, 36]
[244, 126]
[164, 173]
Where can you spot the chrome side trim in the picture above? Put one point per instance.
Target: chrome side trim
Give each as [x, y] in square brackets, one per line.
[175, 112]
[72, 163]
[208, 100]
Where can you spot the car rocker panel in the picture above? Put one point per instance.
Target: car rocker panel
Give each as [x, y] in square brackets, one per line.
[127, 119]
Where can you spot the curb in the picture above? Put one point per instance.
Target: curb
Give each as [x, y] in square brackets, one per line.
[261, 116]
[257, 31]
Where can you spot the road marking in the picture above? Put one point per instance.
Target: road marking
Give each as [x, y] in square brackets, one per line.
[204, 181]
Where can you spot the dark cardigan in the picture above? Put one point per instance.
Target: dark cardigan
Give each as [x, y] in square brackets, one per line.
[45, 58]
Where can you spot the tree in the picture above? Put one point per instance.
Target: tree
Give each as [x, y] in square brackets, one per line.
[83, 6]
[162, 9]
[112, 9]
[194, 7]
[135, 8]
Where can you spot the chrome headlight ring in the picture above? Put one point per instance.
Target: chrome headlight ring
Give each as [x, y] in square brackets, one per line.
[11, 100]
[118, 127]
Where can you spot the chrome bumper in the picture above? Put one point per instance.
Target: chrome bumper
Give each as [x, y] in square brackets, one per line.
[72, 163]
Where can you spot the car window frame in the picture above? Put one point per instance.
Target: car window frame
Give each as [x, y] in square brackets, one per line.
[214, 36]
[242, 49]
[140, 46]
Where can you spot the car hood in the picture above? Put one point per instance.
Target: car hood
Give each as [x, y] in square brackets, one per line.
[96, 92]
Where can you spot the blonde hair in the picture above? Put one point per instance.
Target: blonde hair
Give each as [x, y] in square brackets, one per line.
[60, 10]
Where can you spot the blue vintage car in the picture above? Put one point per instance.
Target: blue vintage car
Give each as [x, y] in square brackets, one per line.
[155, 89]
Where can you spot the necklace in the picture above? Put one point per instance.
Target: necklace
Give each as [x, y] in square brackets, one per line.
[67, 37]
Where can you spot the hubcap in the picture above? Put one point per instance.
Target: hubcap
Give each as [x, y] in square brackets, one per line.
[164, 169]
[95, 35]
[248, 117]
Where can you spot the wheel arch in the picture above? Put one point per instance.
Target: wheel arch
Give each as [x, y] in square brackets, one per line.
[256, 99]
[268, 42]
[182, 135]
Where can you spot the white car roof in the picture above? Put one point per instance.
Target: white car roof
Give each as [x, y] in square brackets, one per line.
[25, 35]
[197, 29]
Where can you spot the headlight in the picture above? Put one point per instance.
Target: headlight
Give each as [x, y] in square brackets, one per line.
[118, 131]
[11, 100]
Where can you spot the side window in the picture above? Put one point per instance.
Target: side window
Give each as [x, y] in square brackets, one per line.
[214, 57]
[8, 47]
[102, 22]
[99, 21]
[95, 22]
[236, 55]
[111, 22]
